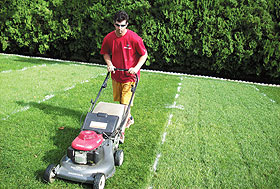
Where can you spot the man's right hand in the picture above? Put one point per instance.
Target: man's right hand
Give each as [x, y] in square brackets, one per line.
[111, 68]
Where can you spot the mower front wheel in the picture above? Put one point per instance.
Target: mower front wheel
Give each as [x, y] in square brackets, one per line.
[99, 181]
[49, 174]
[119, 157]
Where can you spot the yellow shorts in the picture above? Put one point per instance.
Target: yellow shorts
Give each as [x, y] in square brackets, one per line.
[122, 92]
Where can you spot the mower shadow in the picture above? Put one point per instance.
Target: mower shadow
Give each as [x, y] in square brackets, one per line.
[52, 110]
[65, 132]
[63, 137]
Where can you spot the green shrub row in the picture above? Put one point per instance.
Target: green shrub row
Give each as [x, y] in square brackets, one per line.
[232, 38]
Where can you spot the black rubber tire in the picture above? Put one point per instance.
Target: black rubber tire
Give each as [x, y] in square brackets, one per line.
[119, 157]
[49, 175]
[99, 181]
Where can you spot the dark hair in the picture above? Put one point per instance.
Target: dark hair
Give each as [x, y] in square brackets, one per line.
[121, 16]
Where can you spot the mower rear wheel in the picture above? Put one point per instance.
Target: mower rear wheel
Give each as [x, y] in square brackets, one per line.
[119, 157]
[49, 174]
[99, 181]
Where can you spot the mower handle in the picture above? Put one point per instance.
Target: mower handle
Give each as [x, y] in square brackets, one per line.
[133, 89]
[120, 69]
[104, 85]
[125, 70]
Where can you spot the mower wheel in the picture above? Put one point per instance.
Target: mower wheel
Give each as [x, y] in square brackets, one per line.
[119, 157]
[99, 181]
[49, 174]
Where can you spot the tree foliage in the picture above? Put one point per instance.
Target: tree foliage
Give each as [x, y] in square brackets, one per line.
[232, 38]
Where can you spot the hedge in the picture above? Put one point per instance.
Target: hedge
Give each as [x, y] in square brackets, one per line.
[230, 38]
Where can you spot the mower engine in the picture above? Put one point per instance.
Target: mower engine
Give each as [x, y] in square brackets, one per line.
[86, 148]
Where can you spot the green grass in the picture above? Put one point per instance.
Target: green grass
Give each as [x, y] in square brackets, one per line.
[272, 92]
[10, 62]
[228, 134]
[35, 83]
[30, 140]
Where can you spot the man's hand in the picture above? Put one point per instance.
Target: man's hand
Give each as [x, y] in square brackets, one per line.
[111, 68]
[133, 70]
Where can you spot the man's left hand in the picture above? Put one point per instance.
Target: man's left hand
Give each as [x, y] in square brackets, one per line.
[133, 70]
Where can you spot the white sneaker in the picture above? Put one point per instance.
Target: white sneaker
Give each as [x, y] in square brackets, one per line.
[130, 121]
[122, 138]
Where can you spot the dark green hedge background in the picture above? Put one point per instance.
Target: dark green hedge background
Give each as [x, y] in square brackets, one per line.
[237, 39]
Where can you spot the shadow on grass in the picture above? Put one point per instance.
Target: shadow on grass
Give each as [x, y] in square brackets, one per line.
[62, 138]
[64, 135]
[52, 110]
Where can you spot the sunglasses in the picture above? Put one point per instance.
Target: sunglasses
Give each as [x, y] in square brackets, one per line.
[120, 25]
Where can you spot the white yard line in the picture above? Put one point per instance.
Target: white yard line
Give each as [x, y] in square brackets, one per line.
[156, 162]
[165, 133]
[273, 101]
[25, 68]
[163, 138]
[16, 111]
[48, 97]
[179, 89]
[175, 106]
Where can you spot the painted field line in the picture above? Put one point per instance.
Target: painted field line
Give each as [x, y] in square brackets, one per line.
[164, 135]
[82, 82]
[175, 106]
[169, 120]
[23, 69]
[163, 139]
[156, 162]
[273, 101]
[179, 89]
[48, 97]
[16, 111]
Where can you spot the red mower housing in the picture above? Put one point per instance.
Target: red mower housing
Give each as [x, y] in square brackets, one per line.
[87, 141]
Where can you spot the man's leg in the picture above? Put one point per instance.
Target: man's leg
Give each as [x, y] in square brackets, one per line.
[122, 93]
[125, 99]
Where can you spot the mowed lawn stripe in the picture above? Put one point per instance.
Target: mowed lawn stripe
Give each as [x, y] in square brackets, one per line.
[226, 136]
[154, 93]
[9, 63]
[35, 83]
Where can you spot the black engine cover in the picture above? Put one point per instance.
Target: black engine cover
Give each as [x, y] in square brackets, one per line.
[100, 123]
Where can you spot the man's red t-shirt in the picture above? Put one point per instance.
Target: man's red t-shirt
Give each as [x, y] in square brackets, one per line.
[125, 51]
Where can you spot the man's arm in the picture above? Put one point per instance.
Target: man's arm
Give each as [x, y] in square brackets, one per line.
[140, 63]
[110, 66]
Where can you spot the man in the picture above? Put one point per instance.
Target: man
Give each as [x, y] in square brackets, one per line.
[123, 48]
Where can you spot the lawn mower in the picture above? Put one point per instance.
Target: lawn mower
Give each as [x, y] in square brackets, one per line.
[95, 152]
